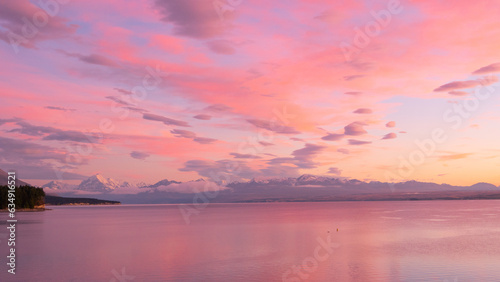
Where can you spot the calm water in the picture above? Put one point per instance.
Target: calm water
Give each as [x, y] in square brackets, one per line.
[376, 241]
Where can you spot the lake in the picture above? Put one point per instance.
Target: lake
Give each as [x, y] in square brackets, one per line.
[375, 241]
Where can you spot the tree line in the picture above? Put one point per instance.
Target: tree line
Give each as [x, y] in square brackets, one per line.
[26, 197]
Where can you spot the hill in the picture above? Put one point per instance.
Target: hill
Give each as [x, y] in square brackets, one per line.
[57, 201]
[4, 178]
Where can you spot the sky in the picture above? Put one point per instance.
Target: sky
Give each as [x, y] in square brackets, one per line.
[238, 89]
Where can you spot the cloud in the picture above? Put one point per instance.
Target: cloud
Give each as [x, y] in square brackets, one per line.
[119, 100]
[454, 157]
[224, 47]
[28, 153]
[203, 117]
[219, 108]
[273, 126]
[198, 19]
[304, 156]
[264, 143]
[488, 69]
[244, 156]
[332, 137]
[204, 140]
[390, 136]
[9, 120]
[71, 135]
[41, 171]
[358, 142]
[487, 80]
[220, 171]
[278, 169]
[139, 155]
[329, 16]
[254, 74]
[390, 124]
[94, 59]
[135, 109]
[59, 109]
[165, 120]
[281, 160]
[183, 133]
[192, 187]
[123, 91]
[13, 15]
[33, 130]
[355, 128]
[458, 93]
[353, 93]
[343, 151]
[334, 170]
[192, 135]
[52, 133]
[97, 60]
[359, 65]
[363, 111]
[352, 77]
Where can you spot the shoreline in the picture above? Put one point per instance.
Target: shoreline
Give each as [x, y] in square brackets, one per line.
[27, 210]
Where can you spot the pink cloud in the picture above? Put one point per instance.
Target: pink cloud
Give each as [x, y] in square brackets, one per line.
[333, 137]
[390, 124]
[467, 84]
[390, 136]
[488, 69]
[355, 128]
[195, 19]
[358, 142]
[334, 170]
[26, 24]
[458, 93]
[363, 111]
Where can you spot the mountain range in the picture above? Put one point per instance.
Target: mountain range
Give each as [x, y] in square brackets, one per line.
[4, 178]
[306, 187]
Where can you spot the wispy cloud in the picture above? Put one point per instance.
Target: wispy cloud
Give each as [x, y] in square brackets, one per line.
[358, 142]
[454, 157]
[390, 136]
[488, 69]
[273, 126]
[139, 155]
[466, 84]
[165, 120]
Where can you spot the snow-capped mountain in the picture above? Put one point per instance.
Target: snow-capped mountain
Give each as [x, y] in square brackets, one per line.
[306, 179]
[274, 181]
[142, 185]
[98, 183]
[58, 185]
[164, 182]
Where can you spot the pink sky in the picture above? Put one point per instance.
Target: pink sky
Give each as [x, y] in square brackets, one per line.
[147, 90]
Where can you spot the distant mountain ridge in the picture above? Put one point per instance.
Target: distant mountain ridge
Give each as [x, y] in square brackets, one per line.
[164, 182]
[99, 183]
[306, 187]
[4, 178]
[58, 185]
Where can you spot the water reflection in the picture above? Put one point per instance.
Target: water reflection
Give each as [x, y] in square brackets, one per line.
[376, 241]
